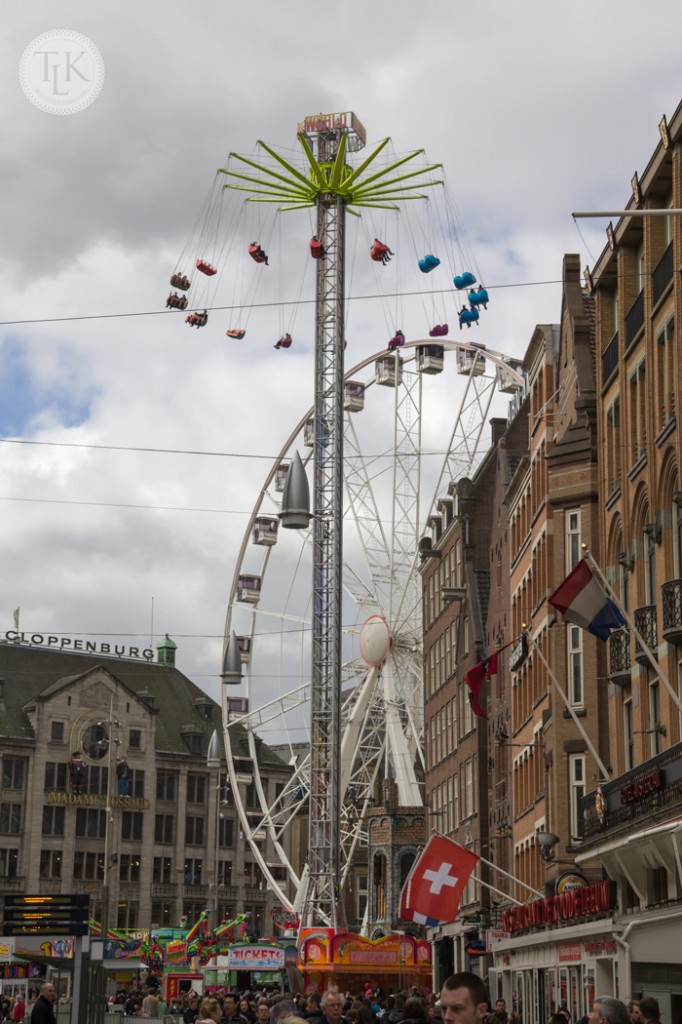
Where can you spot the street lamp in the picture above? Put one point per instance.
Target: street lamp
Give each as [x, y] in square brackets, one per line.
[110, 860]
[213, 764]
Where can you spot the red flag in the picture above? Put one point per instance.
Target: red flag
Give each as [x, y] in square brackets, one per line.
[433, 889]
[475, 678]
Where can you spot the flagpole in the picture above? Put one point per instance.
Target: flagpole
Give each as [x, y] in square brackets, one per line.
[611, 594]
[578, 724]
[519, 903]
[515, 880]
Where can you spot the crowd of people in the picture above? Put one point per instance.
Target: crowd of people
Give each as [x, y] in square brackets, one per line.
[463, 1000]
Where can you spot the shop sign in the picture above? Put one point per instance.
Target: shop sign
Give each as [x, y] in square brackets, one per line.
[493, 937]
[125, 803]
[569, 881]
[648, 783]
[569, 952]
[599, 947]
[255, 958]
[66, 643]
[569, 906]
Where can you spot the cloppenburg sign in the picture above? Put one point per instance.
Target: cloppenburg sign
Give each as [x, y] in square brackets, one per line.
[67, 643]
[255, 958]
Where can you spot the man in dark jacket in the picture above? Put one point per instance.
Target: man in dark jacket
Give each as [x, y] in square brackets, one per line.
[43, 1008]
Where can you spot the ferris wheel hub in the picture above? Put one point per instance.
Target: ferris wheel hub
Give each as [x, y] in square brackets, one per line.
[375, 640]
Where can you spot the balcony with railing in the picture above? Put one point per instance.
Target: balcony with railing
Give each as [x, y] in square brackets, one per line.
[619, 657]
[164, 890]
[654, 787]
[646, 624]
[634, 320]
[662, 274]
[14, 883]
[672, 610]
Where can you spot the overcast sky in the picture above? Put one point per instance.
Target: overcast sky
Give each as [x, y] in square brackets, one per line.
[534, 109]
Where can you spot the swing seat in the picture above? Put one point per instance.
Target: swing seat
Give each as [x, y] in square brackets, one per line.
[316, 248]
[284, 341]
[428, 263]
[257, 254]
[479, 298]
[206, 268]
[439, 331]
[237, 333]
[175, 301]
[397, 340]
[180, 281]
[197, 319]
[378, 251]
[464, 280]
[468, 317]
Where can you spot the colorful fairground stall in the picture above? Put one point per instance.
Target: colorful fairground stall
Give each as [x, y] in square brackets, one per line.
[349, 961]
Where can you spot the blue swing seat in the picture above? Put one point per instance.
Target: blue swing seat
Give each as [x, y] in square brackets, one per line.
[428, 263]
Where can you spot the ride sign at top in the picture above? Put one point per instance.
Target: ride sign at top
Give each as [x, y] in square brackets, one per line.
[317, 124]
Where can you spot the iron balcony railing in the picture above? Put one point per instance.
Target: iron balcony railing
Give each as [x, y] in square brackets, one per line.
[619, 656]
[662, 274]
[655, 785]
[647, 627]
[634, 321]
[672, 609]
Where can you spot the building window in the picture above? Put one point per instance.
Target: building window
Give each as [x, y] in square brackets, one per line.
[134, 739]
[162, 870]
[53, 820]
[226, 832]
[88, 866]
[575, 665]
[9, 861]
[655, 717]
[137, 782]
[164, 828]
[57, 732]
[577, 792]
[129, 867]
[613, 445]
[97, 780]
[10, 819]
[50, 863]
[629, 735]
[193, 869]
[55, 777]
[90, 824]
[468, 788]
[131, 825]
[163, 914]
[128, 915]
[166, 785]
[13, 772]
[638, 412]
[224, 872]
[361, 897]
[194, 831]
[573, 553]
[665, 360]
[196, 788]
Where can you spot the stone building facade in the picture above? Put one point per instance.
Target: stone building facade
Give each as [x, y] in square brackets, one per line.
[106, 789]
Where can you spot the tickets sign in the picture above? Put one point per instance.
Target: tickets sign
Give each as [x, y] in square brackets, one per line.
[255, 958]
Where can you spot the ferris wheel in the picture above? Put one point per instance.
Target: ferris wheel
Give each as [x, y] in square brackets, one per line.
[414, 421]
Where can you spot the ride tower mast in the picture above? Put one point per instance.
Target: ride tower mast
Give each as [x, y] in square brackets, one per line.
[333, 187]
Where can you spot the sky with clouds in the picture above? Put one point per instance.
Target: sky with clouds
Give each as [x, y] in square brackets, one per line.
[150, 441]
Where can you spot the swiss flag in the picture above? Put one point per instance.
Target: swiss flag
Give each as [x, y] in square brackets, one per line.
[433, 889]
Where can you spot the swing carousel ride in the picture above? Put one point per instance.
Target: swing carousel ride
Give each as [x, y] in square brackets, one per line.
[325, 601]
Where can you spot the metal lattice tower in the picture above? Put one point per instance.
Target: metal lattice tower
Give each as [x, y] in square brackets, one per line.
[333, 187]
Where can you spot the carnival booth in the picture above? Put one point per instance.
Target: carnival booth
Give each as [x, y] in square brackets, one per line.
[349, 961]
